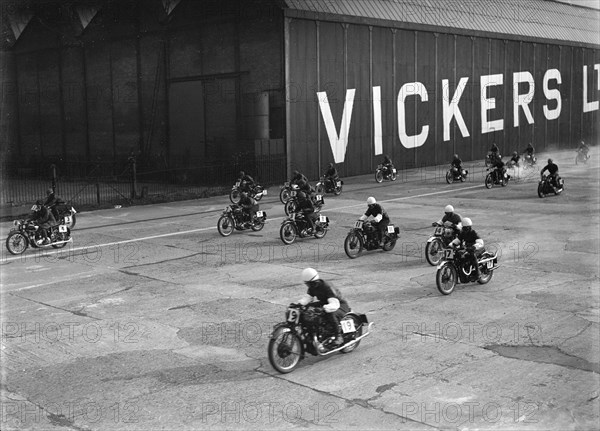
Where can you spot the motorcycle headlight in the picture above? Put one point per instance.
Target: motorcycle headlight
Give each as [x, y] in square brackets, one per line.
[16, 223]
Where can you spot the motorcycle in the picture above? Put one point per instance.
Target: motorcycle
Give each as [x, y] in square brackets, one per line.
[529, 160]
[382, 173]
[292, 204]
[296, 225]
[327, 185]
[581, 157]
[305, 330]
[364, 236]
[233, 217]
[454, 175]
[256, 192]
[443, 235]
[456, 267]
[26, 233]
[64, 214]
[496, 178]
[545, 187]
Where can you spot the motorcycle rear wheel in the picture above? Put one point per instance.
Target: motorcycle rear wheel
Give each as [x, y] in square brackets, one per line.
[16, 243]
[359, 329]
[489, 182]
[288, 233]
[445, 279]
[61, 236]
[393, 176]
[486, 276]
[284, 350]
[258, 225]
[434, 251]
[320, 231]
[388, 243]
[379, 176]
[353, 245]
[225, 225]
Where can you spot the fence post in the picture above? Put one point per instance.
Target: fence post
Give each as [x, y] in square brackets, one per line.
[133, 176]
[53, 173]
[98, 193]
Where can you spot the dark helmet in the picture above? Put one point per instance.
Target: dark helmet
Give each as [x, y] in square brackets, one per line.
[49, 191]
[242, 173]
[549, 161]
[296, 173]
[330, 165]
[515, 153]
[456, 156]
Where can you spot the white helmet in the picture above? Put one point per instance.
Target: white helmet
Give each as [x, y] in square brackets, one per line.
[449, 209]
[371, 200]
[309, 274]
[467, 222]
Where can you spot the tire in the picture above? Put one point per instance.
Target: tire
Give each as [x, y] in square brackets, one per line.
[378, 176]
[541, 193]
[486, 276]
[489, 182]
[353, 245]
[320, 189]
[73, 220]
[16, 243]
[337, 190]
[438, 247]
[234, 196]
[445, 279]
[290, 207]
[225, 225]
[284, 195]
[62, 236]
[288, 233]
[258, 193]
[284, 350]
[359, 327]
[449, 177]
[393, 176]
[258, 225]
[320, 231]
[577, 159]
[388, 243]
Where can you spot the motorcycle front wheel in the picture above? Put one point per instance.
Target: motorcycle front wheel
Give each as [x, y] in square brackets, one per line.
[234, 196]
[449, 177]
[284, 195]
[541, 193]
[290, 207]
[225, 225]
[337, 190]
[288, 233]
[258, 193]
[359, 329]
[489, 181]
[379, 176]
[353, 245]
[445, 279]
[320, 189]
[16, 243]
[284, 350]
[434, 251]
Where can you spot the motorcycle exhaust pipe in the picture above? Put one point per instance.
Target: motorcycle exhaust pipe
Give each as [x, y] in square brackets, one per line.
[343, 346]
[55, 243]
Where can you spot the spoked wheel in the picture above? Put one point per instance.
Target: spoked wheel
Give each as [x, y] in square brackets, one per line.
[258, 193]
[359, 330]
[379, 176]
[320, 230]
[489, 182]
[434, 251]
[445, 278]
[337, 190]
[285, 350]
[320, 189]
[388, 243]
[284, 195]
[61, 236]
[486, 276]
[541, 193]
[290, 206]
[234, 196]
[258, 225]
[288, 233]
[449, 177]
[353, 245]
[16, 243]
[393, 176]
[225, 226]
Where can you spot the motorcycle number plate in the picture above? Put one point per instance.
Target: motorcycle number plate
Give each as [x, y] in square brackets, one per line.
[322, 218]
[390, 229]
[394, 170]
[259, 213]
[264, 192]
[490, 264]
[339, 183]
[319, 197]
[439, 230]
[237, 184]
[62, 228]
[358, 224]
[348, 326]
[68, 219]
[293, 193]
[449, 253]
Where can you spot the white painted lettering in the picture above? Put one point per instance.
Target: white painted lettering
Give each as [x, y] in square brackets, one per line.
[552, 94]
[338, 142]
[451, 109]
[488, 104]
[410, 89]
[378, 132]
[522, 100]
[589, 106]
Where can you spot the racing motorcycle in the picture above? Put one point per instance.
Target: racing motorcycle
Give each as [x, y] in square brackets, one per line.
[443, 235]
[296, 225]
[327, 185]
[384, 174]
[454, 175]
[256, 191]
[529, 160]
[233, 217]
[581, 157]
[364, 236]
[287, 191]
[292, 204]
[456, 267]
[305, 330]
[545, 186]
[494, 177]
[26, 233]
[64, 214]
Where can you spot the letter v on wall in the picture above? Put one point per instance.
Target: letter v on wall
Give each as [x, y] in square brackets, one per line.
[338, 142]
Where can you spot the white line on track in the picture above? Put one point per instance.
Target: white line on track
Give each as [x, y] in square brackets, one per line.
[164, 235]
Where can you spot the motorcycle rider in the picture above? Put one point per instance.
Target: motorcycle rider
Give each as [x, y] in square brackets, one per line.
[379, 215]
[387, 164]
[514, 160]
[452, 217]
[494, 149]
[249, 207]
[246, 181]
[472, 243]
[331, 175]
[584, 149]
[306, 207]
[297, 177]
[42, 217]
[51, 202]
[456, 165]
[552, 169]
[529, 151]
[498, 164]
[330, 299]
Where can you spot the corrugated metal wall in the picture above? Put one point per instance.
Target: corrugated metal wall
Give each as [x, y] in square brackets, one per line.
[331, 58]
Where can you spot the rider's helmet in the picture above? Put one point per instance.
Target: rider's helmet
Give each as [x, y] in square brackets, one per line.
[455, 156]
[310, 275]
[467, 224]
[49, 191]
[449, 209]
[549, 161]
[330, 165]
[371, 200]
[243, 195]
[515, 153]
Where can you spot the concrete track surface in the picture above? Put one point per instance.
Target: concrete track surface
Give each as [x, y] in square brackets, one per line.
[151, 320]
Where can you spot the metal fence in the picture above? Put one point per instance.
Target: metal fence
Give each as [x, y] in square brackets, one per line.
[100, 182]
